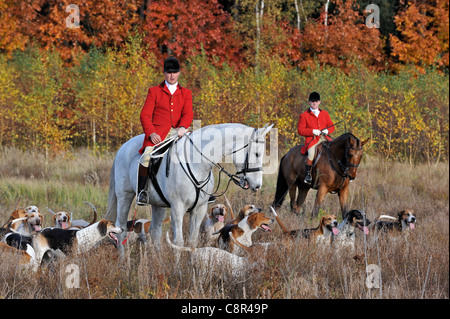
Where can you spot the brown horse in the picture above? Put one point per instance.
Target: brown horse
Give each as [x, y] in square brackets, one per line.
[334, 168]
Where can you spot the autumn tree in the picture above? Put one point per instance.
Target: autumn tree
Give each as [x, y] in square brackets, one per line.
[423, 38]
[51, 24]
[340, 36]
[186, 28]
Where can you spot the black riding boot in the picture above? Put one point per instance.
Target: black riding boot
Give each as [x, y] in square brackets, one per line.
[308, 177]
[142, 182]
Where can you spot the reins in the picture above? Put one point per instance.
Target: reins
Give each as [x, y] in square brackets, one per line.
[232, 177]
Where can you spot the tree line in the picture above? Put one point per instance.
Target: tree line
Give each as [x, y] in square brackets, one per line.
[248, 61]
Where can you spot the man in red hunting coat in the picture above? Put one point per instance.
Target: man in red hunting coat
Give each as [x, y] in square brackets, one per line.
[167, 111]
[315, 124]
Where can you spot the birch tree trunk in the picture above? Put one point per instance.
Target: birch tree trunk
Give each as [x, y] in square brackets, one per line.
[298, 15]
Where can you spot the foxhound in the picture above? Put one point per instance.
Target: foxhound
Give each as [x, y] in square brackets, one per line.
[406, 220]
[321, 234]
[62, 219]
[32, 223]
[26, 258]
[81, 240]
[355, 219]
[243, 230]
[244, 212]
[213, 259]
[16, 214]
[139, 230]
[215, 220]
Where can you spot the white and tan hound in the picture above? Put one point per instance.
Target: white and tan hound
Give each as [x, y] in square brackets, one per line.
[215, 220]
[32, 221]
[245, 211]
[63, 220]
[139, 230]
[243, 230]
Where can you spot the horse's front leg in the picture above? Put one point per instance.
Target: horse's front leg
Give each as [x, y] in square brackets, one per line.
[320, 196]
[196, 219]
[176, 214]
[123, 207]
[343, 196]
[158, 214]
[292, 194]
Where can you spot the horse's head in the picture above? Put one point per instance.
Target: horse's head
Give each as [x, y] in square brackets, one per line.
[353, 154]
[249, 159]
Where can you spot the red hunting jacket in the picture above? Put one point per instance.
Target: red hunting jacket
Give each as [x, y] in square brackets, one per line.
[162, 111]
[308, 121]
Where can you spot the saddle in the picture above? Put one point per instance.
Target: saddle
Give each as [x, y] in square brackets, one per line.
[316, 154]
[156, 157]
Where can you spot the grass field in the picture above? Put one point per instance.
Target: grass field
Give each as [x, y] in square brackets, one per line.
[414, 268]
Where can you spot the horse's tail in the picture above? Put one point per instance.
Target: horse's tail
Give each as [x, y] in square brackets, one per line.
[111, 211]
[282, 187]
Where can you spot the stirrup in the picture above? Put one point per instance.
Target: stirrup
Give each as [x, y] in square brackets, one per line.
[141, 199]
[308, 180]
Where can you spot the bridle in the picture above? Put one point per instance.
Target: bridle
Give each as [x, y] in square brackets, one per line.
[344, 167]
[245, 169]
[239, 178]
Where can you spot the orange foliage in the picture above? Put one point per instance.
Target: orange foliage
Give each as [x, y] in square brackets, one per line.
[185, 28]
[345, 38]
[423, 36]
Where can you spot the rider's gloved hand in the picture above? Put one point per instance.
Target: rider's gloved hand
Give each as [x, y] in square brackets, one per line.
[325, 132]
[316, 132]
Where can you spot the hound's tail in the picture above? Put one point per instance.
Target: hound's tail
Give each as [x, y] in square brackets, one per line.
[229, 207]
[111, 212]
[189, 249]
[285, 230]
[387, 217]
[282, 187]
[94, 219]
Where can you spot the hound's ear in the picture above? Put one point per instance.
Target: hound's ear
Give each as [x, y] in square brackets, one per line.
[54, 217]
[251, 220]
[364, 142]
[103, 227]
[137, 227]
[210, 214]
[322, 220]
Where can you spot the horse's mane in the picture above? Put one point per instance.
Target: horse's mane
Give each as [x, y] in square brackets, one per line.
[344, 137]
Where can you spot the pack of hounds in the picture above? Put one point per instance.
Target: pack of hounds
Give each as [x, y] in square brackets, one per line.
[224, 242]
